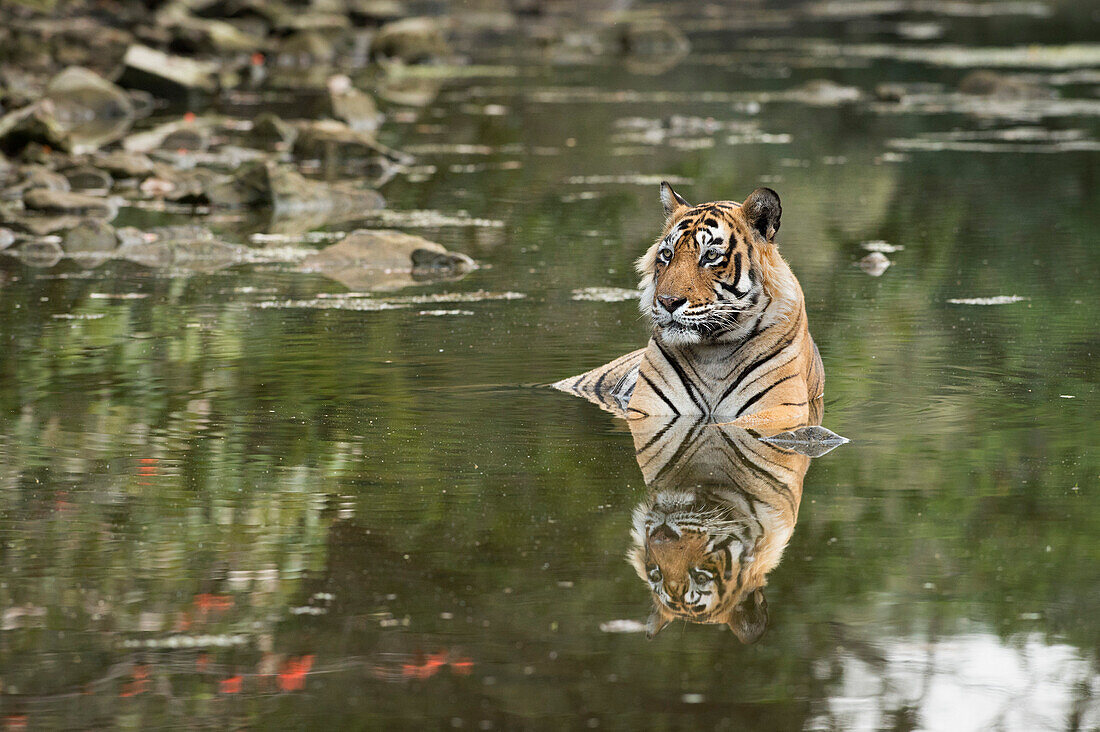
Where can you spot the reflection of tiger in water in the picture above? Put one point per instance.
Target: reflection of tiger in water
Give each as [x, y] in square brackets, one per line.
[724, 507]
[730, 337]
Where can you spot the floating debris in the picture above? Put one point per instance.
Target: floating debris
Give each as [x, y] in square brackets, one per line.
[881, 246]
[605, 294]
[622, 626]
[813, 441]
[875, 264]
[996, 300]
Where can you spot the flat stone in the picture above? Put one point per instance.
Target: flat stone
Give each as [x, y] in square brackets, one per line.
[166, 75]
[91, 236]
[385, 259]
[42, 253]
[90, 109]
[411, 40]
[88, 178]
[122, 164]
[60, 202]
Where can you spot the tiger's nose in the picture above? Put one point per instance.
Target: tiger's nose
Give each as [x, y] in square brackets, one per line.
[663, 533]
[671, 302]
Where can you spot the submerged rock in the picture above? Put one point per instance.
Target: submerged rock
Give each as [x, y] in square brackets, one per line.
[92, 237]
[91, 110]
[985, 83]
[813, 441]
[46, 201]
[385, 259]
[165, 75]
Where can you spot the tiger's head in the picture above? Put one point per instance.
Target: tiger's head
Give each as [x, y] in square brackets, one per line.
[714, 269]
[698, 556]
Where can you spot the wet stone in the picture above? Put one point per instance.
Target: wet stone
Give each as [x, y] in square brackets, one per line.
[37, 176]
[165, 75]
[91, 236]
[269, 132]
[7, 238]
[91, 110]
[62, 202]
[352, 106]
[122, 164]
[88, 178]
[386, 259]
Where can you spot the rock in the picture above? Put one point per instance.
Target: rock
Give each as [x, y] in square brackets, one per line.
[88, 178]
[272, 133]
[46, 201]
[38, 176]
[329, 140]
[122, 164]
[875, 264]
[187, 131]
[7, 238]
[183, 247]
[194, 34]
[165, 75]
[287, 192]
[36, 123]
[984, 83]
[92, 238]
[386, 260]
[412, 40]
[306, 49]
[814, 440]
[352, 106]
[41, 253]
[90, 109]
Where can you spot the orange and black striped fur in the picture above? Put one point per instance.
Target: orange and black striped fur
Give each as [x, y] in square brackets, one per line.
[730, 338]
[722, 509]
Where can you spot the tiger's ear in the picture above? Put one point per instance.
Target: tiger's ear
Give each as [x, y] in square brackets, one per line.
[671, 200]
[656, 623]
[762, 211]
[749, 618]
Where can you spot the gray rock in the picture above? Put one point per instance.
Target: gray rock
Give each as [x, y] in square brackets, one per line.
[91, 236]
[90, 109]
[61, 202]
[122, 164]
[7, 238]
[813, 441]
[285, 191]
[386, 260]
[38, 176]
[88, 178]
[165, 75]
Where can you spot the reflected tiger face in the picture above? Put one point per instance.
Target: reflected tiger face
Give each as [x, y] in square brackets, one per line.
[695, 553]
[705, 279]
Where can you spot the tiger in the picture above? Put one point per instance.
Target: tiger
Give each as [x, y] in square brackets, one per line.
[730, 335]
[722, 508]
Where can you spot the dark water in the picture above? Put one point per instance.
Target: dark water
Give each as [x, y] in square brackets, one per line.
[228, 503]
